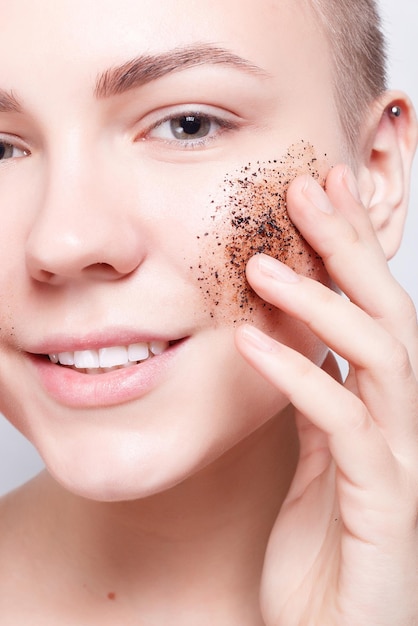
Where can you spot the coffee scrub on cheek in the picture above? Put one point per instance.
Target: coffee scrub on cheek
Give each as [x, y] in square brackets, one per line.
[250, 217]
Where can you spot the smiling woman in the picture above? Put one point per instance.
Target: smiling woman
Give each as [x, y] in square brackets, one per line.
[180, 223]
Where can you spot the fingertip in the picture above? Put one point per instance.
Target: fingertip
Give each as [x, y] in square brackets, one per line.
[298, 186]
[249, 337]
[351, 184]
[251, 269]
[266, 266]
[317, 197]
[306, 192]
[252, 263]
[343, 189]
[342, 177]
[335, 174]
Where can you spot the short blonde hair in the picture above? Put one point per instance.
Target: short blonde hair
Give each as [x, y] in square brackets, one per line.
[358, 51]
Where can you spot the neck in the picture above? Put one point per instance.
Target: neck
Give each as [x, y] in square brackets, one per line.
[202, 534]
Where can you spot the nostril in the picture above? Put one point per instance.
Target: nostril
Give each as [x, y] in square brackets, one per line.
[105, 266]
[102, 271]
[43, 276]
[73, 250]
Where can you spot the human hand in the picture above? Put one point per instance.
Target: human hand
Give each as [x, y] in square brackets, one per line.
[344, 549]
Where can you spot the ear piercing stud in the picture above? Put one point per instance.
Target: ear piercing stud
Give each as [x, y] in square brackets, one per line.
[395, 111]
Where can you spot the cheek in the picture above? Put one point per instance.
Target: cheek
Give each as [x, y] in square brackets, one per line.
[249, 218]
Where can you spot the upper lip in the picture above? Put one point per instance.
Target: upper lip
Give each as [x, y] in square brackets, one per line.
[95, 341]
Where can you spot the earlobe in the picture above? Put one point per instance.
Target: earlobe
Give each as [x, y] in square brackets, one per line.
[389, 140]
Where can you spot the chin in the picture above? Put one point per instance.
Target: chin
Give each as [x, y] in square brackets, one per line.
[147, 446]
[127, 470]
[119, 466]
[108, 474]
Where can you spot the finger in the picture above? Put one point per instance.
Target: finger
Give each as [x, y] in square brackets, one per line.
[357, 445]
[342, 325]
[314, 453]
[384, 374]
[345, 239]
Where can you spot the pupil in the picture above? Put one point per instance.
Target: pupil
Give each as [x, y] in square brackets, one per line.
[2, 150]
[190, 124]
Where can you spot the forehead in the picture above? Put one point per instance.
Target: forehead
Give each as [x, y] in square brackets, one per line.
[82, 33]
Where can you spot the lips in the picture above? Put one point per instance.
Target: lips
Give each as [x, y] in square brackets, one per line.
[103, 360]
[125, 372]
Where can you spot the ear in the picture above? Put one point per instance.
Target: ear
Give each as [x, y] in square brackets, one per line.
[387, 147]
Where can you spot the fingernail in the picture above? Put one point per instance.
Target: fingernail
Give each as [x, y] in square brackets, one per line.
[275, 269]
[314, 192]
[259, 340]
[351, 183]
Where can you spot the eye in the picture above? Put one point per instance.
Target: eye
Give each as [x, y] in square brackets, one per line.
[192, 127]
[10, 151]
[189, 129]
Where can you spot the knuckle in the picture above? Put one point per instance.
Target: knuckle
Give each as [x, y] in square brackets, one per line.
[399, 359]
[408, 309]
[402, 312]
[360, 417]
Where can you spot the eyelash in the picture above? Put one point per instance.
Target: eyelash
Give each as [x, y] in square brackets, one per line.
[222, 123]
[6, 143]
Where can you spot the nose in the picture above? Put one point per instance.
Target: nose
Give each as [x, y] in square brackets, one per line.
[82, 230]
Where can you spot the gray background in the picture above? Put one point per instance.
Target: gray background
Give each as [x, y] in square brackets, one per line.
[19, 461]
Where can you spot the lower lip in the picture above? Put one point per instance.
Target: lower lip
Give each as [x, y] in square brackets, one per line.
[79, 390]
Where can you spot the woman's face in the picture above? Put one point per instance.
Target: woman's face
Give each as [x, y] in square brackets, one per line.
[146, 149]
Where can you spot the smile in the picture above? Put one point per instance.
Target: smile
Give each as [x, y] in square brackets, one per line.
[111, 358]
[119, 373]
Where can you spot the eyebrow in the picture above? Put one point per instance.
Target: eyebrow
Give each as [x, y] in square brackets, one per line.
[147, 68]
[8, 102]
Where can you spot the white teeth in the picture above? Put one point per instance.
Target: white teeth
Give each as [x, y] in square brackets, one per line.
[105, 359]
[86, 358]
[66, 358]
[109, 357]
[138, 352]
